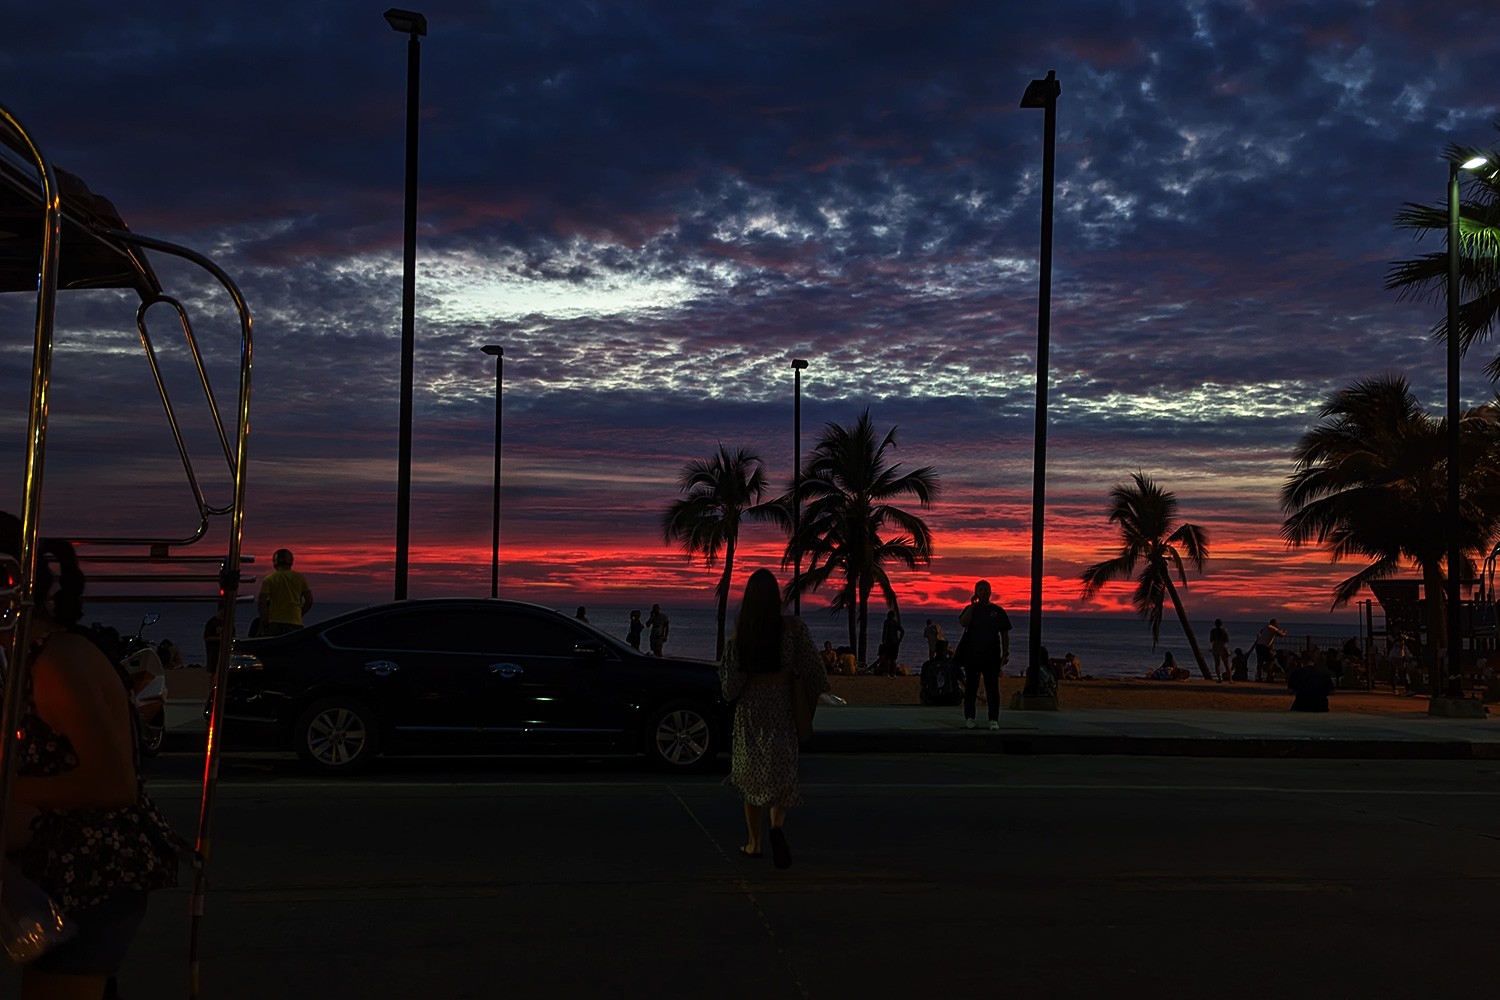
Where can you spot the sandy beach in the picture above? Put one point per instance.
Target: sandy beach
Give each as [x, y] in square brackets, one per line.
[1142, 694]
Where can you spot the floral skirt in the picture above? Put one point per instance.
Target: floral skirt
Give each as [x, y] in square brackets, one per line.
[763, 765]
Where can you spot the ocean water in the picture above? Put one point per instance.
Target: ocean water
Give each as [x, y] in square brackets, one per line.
[1107, 646]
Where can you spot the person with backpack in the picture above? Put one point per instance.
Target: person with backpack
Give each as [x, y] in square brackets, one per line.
[941, 684]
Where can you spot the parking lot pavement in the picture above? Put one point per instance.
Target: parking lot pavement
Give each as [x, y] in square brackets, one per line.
[952, 875]
[1141, 732]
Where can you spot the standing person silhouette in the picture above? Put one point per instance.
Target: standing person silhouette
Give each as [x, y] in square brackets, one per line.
[985, 649]
[1218, 641]
[768, 653]
[659, 628]
[933, 633]
[80, 824]
[284, 596]
[891, 634]
[636, 628]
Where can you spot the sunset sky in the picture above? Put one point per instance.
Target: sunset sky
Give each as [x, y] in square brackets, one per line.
[653, 206]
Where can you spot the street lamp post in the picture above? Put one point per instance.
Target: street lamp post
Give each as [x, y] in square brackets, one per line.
[1455, 687]
[415, 25]
[797, 365]
[1041, 94]
[499, 355]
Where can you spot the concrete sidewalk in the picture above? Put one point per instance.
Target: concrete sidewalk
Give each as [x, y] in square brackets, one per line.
[1140, 732]
[1211, 733]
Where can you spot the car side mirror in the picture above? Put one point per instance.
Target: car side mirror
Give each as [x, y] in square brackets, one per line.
[589, 651]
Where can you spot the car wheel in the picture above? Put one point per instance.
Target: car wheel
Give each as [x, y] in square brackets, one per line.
[682, 736]
[337, 735]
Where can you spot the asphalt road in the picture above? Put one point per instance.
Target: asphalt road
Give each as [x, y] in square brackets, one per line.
[915, 876]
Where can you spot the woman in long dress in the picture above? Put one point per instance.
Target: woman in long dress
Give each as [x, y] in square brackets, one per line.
[768, 653]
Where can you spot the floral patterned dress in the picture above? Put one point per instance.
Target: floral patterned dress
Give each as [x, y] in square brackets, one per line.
[763, 758]
[80, 857]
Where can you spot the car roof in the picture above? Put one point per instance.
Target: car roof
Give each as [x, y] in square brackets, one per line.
[415, 604]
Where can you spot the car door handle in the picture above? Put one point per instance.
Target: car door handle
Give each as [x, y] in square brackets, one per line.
[381, 668]
[506, 670]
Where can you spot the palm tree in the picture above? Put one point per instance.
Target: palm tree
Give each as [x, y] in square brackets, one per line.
[1425, 278]
[1371, 481]
[1147, 516]
[848, 485]
[720, 491]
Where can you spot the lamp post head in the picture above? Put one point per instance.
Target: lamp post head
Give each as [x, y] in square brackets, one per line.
[1473, 163]
[408, 22]
[493, 350]
[1042, 93]
[798, 364]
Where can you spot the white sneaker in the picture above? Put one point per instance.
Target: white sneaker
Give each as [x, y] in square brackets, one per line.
[968, 723]
[994, 725]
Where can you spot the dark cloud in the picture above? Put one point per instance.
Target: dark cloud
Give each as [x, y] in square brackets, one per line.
[653, 207]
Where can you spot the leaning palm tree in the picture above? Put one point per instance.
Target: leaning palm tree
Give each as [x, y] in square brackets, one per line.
[1371, 481]
[1147, 517]
[848, 484]
[1425, 278]
[720, 491]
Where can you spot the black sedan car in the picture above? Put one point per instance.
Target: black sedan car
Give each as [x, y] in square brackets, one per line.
[469, 676]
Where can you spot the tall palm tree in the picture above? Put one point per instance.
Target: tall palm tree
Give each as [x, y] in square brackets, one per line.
[1153, 539]
[1371, 481]
[1425, 278]
[848, 484]
[720, 492]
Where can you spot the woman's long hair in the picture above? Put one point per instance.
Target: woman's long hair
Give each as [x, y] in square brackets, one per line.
[64, 605]
[757, 629]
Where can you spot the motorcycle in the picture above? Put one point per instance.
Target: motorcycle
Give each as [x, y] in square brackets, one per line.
[148, 687]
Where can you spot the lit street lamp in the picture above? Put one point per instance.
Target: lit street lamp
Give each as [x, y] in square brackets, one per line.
[499, 355]
[797, 365]
[1455, 687]
[1041, 94]
[413, 24]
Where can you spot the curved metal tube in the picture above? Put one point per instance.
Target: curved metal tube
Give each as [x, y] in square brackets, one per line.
[161, 387]
[36, 447]
[236, 461]
[228, 587]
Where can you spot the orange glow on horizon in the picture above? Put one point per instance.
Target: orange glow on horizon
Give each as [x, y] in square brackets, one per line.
[1248, 571]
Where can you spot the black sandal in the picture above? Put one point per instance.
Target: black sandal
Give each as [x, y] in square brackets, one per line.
[750, 854]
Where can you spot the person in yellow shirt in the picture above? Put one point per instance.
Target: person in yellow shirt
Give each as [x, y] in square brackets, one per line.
[284, 596]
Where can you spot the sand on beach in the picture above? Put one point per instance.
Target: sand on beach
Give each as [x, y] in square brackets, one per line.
[1194, 694]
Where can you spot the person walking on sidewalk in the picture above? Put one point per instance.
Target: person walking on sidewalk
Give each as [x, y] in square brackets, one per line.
[983, 651]
[284, 596]
[766, 655]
